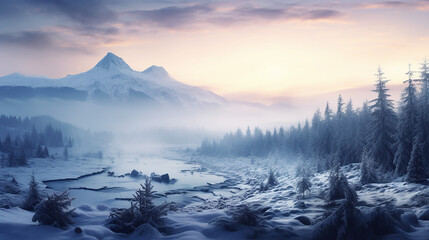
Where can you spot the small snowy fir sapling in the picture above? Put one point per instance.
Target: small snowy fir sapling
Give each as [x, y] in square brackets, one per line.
[338, 185]
[145, 195]
[303, 174]
[66, 153]
[12, 186]
[346, 222]
[272, 180]
[303, 185]
[416, 167]
[39, 152]
[368, 174]
[54, 210]
[45, 152]
[142, 211]
[33, 196]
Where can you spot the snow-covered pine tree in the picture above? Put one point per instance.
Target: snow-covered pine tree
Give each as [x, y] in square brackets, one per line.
[368, 174]
[423, 114]
[353, 146]
[406, 126]
[45, 152]
[325, 142]
[364, 117]
[382, 126]
[346, 222]
[272, 180]
[33, 196]
[39, 153]
[142, 211]
[66, 153]
[145, 195]
[54, 210]
[416, 166]
[339, 185]
[303, 185]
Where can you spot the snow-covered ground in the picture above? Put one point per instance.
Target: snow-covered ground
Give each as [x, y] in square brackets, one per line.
[212, 202]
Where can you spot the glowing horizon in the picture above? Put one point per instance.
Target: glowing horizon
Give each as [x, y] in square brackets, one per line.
[243, 50]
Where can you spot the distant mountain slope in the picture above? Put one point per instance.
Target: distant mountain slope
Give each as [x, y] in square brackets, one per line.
[110, 80]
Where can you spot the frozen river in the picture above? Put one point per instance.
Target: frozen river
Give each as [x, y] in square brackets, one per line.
[188, 175]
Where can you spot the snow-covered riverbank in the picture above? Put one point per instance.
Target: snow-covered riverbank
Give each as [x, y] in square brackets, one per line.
[207, 207]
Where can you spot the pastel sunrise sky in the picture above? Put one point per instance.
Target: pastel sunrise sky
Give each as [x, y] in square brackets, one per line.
[243, 50]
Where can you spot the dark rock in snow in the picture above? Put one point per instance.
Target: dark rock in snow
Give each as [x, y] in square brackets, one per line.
[425, 215]
[300, 205]
[134, 173]
[78, 230]
[110, 174]
[165, 178]
[410, 219]
[304, 220]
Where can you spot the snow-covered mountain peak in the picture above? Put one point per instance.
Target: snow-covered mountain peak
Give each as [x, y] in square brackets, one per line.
[111, 61]
[156, 70]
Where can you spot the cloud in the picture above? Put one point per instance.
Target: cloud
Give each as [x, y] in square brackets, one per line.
[27, 38]
[321, 14]
[58, 24]
[171, 17]
[422, 5]
[81, 11]
[191, 16]
[44, 40]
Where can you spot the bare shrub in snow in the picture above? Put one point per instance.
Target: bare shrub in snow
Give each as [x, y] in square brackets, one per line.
[54, 210]
[243, 214]
[33, 196]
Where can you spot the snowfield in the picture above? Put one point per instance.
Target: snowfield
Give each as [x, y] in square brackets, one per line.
[286, 214]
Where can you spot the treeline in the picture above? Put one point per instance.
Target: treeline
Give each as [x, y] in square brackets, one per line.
[17, 127]
[323, 138]
[32, 144]
[395, 142]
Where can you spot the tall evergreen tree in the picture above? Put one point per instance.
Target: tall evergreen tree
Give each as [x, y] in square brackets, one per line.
[382, 126]
[406, 126]
[418, 165]
[423, 113]
[66, 153]
[326, 138]
[33, 197]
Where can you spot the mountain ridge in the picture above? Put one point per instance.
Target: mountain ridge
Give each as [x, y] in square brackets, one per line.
[114, 79]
